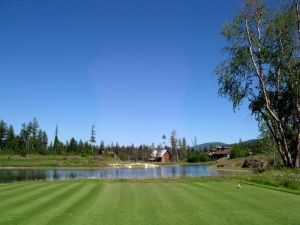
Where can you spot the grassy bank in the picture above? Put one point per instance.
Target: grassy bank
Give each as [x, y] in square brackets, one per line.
[186, 202]
[280, 177]
[50, 161]
[42, 161]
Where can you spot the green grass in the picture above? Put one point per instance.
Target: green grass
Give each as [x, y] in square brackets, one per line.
[50, 161]
[177, 202]
[280, 177]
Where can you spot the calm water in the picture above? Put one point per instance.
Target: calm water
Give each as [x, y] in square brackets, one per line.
[15, 175]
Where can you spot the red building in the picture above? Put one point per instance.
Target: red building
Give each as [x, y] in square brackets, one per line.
[219, 152]
[161, 156]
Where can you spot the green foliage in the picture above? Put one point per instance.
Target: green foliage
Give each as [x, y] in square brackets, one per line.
[238, 151]
[278, 177]
[3, 131]
[173, 143]
[194, 156]
[93, 135]
[262, 65]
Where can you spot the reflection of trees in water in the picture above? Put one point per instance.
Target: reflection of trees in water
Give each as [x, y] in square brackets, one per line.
[56, 174]
[21, 175]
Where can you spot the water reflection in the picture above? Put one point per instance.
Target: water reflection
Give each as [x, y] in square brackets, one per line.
[15, 175]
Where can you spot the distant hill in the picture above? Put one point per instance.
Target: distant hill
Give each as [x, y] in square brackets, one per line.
[207, 145]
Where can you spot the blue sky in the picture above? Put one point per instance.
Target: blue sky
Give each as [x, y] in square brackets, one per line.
[135, 69]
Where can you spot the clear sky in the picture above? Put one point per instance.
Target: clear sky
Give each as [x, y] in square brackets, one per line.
[136, 69]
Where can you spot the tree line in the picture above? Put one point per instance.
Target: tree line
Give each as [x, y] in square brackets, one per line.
[32, 140]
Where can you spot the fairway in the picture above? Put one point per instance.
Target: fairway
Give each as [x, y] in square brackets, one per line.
[78, 203]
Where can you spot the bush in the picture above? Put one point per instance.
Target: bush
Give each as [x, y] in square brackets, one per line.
[192, 158]
[238, 151]
[197, 156]
[203, 157]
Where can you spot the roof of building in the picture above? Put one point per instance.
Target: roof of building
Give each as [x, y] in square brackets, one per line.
[156, 153]
[224, 152]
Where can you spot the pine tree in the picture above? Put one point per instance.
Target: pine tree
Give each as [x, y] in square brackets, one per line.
[73, 146]
[173, 142]
[56, 142]
[93, 138]
[164, 140]
[10, 142]
[184, 147]
[45, 139]
[24, 140]
[41, 142]
[101, 148]
[3, 131]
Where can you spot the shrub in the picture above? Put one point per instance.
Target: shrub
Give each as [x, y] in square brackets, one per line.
[238, 152]
[203, 157]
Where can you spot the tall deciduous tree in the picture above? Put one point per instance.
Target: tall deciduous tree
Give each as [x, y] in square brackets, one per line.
[262, 67]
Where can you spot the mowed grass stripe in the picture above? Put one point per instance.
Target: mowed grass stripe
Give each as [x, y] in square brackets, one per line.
[13, 186]
[14, 192]
[246, 204]
[146, 205]
[105, 209]
[42, 207]
[25, 199]
[276, 205]
[182, 209]
[57, 207]
[75, 213]
[211, 208]
[82, 214]
[38, 206]
[63, 207]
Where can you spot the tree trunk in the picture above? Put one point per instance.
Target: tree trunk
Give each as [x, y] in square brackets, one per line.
[279, 134]
[297, 155]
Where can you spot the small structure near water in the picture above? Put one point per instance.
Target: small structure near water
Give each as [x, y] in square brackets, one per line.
[161, 156]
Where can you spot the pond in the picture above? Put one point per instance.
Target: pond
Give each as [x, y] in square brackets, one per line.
[15, 175]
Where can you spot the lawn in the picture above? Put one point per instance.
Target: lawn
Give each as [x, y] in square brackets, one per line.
[39, 161]
[210, 202]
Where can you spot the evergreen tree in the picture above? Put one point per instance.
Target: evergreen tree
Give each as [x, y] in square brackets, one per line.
[93, 138]
[24, 140]
[10, 142]
[184, 144]
[179, 148]
[45, 139]
[101, 148]
[164, 139]
[173, 142]
[3, 131]
[73, 146]
[41, 142]
[57, 145]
